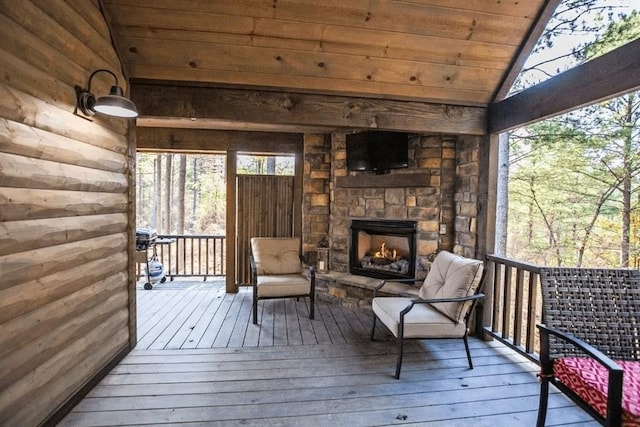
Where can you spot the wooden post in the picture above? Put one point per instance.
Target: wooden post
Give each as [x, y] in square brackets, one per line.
[131, 247]
[231, 285]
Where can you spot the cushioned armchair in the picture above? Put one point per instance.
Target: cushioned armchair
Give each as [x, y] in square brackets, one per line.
[590, 341]
[277, 271]
[443, 307]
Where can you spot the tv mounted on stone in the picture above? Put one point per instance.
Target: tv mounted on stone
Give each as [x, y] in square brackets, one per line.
[377, 151]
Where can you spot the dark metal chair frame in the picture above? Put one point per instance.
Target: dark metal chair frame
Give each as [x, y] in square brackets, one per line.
[589, 313]
[311, 294]
[477, 296]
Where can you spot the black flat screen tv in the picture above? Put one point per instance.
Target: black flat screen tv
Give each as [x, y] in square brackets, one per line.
[377, 151]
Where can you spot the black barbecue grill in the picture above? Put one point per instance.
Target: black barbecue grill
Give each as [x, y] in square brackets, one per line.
[145, 240]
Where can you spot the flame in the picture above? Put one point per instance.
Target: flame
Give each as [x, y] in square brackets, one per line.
[385, 253]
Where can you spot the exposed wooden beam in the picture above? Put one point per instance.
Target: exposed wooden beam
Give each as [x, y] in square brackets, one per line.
[527, 46]
[301, 111]
[602, 78]
[187, 123]
[207, 140]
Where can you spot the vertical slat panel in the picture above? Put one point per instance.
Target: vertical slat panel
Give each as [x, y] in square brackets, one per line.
[265, 209]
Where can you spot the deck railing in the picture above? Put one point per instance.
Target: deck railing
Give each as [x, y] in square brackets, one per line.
[515, 302]
[190, 255]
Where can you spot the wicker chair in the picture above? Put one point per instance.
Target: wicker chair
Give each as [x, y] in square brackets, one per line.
[590, 341]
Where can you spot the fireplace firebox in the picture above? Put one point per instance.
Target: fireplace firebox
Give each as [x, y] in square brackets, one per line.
[384, 249]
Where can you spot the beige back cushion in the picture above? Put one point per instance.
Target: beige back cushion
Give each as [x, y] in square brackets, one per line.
[276, 255]
[451, 276]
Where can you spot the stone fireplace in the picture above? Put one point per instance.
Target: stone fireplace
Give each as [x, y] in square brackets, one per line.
[384, 249]
[438, 191]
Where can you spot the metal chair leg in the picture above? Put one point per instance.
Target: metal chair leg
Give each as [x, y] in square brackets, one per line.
[542, 406]
[399, 362]
[400, 348]
[255, 311]
[466, 347]
[373, 330]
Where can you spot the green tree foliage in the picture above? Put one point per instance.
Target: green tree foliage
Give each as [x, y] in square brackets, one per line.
[574, 179]
[266, 165]
[204, 194]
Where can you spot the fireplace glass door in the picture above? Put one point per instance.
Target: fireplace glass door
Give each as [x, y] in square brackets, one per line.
[383, 248]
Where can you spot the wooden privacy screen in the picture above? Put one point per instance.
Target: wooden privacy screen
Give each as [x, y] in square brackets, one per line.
[264, 209]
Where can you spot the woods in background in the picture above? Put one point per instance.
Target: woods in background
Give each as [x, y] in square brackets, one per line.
[573, 180]
[186, 193]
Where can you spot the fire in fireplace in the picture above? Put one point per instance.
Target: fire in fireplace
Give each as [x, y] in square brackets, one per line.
[383, 249]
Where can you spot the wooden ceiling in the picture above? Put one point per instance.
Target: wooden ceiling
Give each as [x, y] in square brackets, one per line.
[456, 52]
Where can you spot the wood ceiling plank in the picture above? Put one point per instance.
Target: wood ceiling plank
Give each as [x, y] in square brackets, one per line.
[381, 15]
[251, 59]
[430, 50]
[527, 8]
[315, 85]
[388, 44]
[157, 18]
[347, 41]
[412, 19]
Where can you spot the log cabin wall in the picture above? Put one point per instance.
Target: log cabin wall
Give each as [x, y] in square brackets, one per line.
[66, 210]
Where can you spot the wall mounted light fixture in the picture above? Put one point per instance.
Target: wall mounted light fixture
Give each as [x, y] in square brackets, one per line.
[114, 104]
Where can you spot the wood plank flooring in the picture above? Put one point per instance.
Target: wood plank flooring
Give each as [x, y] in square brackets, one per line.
[209, 366]
[197, 314]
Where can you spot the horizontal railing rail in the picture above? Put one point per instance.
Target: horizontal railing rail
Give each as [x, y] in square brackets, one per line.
[189, 255]
[515, 302]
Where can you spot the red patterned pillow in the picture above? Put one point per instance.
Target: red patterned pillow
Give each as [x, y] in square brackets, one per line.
[589, 379]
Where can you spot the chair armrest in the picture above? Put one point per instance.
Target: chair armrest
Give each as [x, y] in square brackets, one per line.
[384, 282]
[614, 389]
[437, 300]
[254, 272]
[593, 352]
[312, 274]
[378, 287]
[453, 299]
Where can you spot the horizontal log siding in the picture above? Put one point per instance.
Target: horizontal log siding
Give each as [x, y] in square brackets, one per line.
[65, 209]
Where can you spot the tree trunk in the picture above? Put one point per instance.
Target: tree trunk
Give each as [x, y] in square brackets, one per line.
[157, 193]
[140, 187]
[502, 195]
[182, 175]
[196, 189]
[626, 183]
[271, 165]
[167, 195]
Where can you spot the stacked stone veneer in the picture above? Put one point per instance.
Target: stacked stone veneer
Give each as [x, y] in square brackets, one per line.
[445, 208]
[316, 191]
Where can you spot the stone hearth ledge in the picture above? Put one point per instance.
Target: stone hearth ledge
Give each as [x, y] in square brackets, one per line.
[354, 291]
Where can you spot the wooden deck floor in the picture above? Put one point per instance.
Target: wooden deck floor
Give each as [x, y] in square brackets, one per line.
[196, 314]
[201, 362]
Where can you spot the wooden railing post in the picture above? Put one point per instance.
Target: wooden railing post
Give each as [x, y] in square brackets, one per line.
[515, 305]
[184, 256]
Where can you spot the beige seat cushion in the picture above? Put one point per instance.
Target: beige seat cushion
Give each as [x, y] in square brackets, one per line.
[452, 276]
[275, 255]
[282, 285]
[423, 321]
